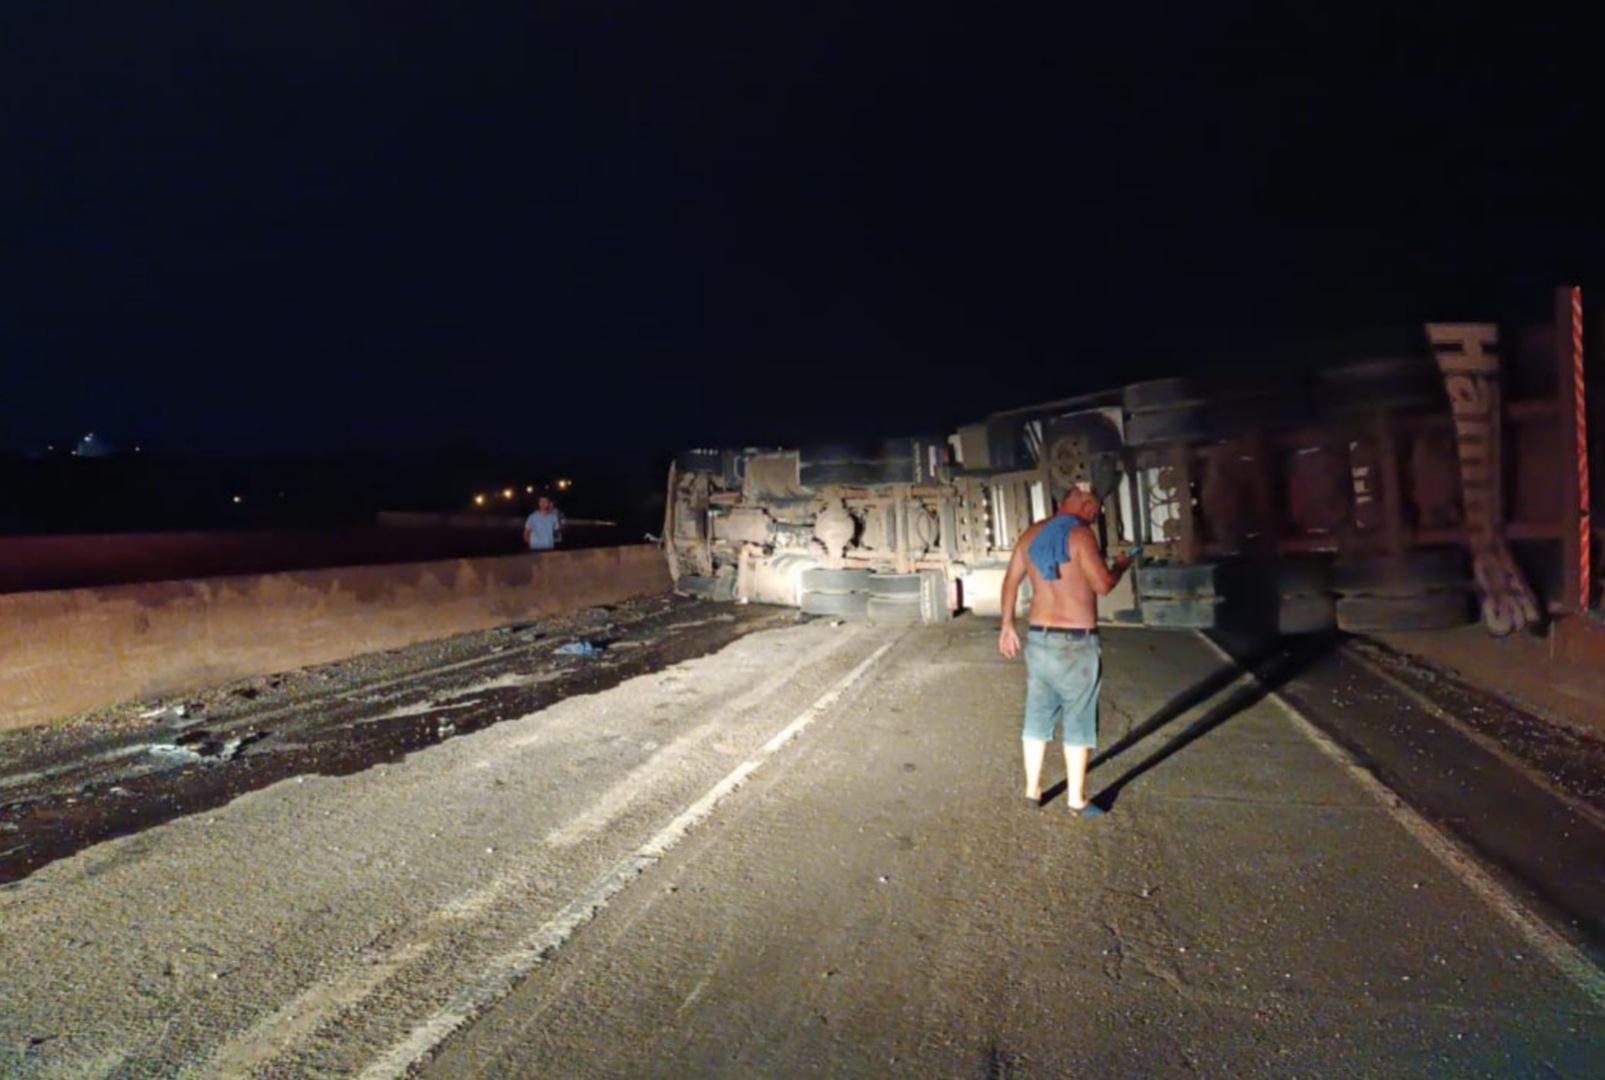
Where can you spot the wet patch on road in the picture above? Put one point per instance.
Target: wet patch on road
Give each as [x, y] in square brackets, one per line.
[75, 787]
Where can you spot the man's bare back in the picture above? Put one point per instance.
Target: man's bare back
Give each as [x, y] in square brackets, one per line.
[1069, 601]
[1072, 600]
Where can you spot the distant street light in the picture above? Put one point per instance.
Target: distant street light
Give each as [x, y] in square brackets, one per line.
[529, 489]
[479, 500]
[507, 493]
[238, 499]
[564, 485]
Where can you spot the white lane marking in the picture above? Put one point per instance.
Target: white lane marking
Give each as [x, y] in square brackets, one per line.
[505, 972]
[626, 792]
[616, 800]
[1566, 957]
[290, 1025]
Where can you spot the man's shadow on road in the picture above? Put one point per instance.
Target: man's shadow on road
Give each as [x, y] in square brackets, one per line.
[1267, 670]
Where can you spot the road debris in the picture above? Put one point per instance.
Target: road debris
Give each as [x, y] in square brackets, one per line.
[588, 650]
[64, 794]
[202, 746]
[174, 752]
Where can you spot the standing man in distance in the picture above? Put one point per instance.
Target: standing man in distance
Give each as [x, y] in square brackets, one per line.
[543, 529]
[1062, 656]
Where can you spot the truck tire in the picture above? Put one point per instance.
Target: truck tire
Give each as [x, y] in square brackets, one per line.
[1186, 424]
[885, 609]
[934, 596]
[1299, 576]
[854, 605]
[821, 579]
[1195, 613]
[1338, 408]
[1158, 394]
[1425, 611]
[1387, 384]
[1305, 613]
[1160, 581]
[1409, 574]
[1390, 372]
[894, 585]
[1247, 414]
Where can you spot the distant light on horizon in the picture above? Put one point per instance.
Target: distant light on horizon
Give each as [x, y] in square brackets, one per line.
[507, 493]
[479, 500]
[238, 499]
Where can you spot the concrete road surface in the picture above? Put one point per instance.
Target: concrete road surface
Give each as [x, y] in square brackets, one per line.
[807, 853]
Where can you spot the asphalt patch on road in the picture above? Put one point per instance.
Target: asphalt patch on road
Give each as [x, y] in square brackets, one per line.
[69, 790]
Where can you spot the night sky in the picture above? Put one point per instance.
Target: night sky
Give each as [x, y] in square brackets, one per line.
[539, 229]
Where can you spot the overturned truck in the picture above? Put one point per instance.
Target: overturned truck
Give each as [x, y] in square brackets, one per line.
[1391, 493]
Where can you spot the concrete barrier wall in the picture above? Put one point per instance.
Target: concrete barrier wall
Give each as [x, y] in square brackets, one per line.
[73, 650]
[37, 563]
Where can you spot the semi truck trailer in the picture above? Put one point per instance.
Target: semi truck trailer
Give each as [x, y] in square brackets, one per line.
[1412, 491]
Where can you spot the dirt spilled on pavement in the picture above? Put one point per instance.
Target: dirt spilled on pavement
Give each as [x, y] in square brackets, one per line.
[70, 788]
[1563, 756]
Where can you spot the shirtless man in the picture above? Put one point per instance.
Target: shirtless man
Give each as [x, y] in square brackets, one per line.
[1061, 647]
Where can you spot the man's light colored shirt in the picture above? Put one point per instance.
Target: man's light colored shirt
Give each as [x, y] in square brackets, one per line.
[544, 528]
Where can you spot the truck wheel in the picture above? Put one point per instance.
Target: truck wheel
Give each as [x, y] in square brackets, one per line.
[854, 605]
[1424, 611]
[820, 579]
[1402, 575]
[1195, 613]
[1083, 448]
[1185, 424]
[1340, 408]
[1305, 614]
[1159, 581]
[1158, 394]
[894, 585]
[885, 609]
[1300, 576]
[934, 596]
[1395, 372]
[1245, 414]
[1382, 385]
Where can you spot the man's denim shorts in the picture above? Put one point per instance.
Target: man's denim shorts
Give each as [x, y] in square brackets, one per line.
[1062, 678]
